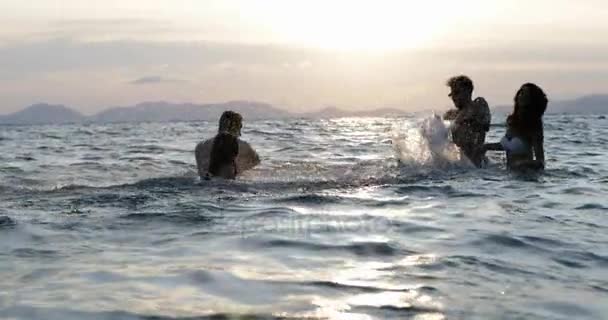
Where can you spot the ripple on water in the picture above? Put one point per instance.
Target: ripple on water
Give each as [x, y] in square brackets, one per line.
[577, 257]
[498, 242]
[569, 310]
[112, 199]
[35, 253]
[570, 263]
[11, 169]
[275, 212]
[412, 228]
[175, 240]
[141, 158]
[90, 164]
[343, 287]
[315, 199]
[592, 206]
[431, 190]
[494, 265]
[190, 218]
[579, 191]
[545, 241]
[40, 274]
[357, 248]
[311, 199]
[25, 158]
[25, 312]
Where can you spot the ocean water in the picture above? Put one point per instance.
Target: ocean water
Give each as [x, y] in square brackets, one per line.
[376, 218]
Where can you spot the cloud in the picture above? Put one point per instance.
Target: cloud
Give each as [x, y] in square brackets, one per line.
[102, 73]
[154, 80]
[112, 30]
[24, 58]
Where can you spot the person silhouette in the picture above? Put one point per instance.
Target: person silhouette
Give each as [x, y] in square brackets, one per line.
[523, 141]
[470, 120]
[225, 155]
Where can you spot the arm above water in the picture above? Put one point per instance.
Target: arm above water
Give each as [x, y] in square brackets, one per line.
[479, 151]
[539, 150]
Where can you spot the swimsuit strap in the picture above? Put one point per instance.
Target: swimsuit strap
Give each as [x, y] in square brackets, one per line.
[514, 144]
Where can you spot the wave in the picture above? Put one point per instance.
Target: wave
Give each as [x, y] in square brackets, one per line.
[366, 248]
[35, 253]
[25, 158]
[592, 206]
[495, 265]
[495, 242]
[23, 312]
[196, 217]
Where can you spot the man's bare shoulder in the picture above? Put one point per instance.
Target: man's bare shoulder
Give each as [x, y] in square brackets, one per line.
[481, 105]
[245, 145]
[483, 109]
[450, 114]
[248, 157]
[203, 145]
[246, 149]
[201, 154]
[481, 101]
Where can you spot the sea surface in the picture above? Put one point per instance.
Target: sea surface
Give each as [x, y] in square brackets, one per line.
[369, 218]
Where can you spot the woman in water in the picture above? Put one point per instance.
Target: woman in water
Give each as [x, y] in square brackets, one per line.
[523, 141]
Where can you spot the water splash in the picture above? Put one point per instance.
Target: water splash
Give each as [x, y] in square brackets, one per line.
[425, 144]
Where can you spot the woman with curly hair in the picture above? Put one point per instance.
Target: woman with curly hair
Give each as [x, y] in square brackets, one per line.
[523, 141]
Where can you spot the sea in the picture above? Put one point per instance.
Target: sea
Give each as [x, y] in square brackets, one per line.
[350, 218]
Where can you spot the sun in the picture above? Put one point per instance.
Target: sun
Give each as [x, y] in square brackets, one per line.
[358, 25]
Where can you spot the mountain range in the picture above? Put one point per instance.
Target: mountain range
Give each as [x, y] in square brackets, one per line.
[591, 104]
[164, 111]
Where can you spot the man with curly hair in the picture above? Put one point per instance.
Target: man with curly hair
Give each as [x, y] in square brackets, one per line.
[225, 155]
[470, 120]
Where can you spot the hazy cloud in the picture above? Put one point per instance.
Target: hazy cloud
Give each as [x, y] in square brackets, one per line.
[154, 80]
[103, 73]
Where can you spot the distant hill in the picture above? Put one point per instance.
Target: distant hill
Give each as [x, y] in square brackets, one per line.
[43, 114]
[144, 112]
[161, 111]
[591, 104]
[164, 111]
[587, 104]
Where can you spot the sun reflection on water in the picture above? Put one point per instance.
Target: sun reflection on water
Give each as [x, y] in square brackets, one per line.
[376, 276]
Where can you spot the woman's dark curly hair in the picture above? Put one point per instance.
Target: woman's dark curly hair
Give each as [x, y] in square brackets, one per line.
[528, 119]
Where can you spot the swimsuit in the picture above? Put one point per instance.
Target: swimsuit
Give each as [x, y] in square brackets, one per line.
[514, 145]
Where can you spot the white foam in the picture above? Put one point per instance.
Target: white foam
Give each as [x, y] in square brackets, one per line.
[425, 144]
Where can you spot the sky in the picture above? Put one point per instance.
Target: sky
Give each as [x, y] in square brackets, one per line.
[297, 55]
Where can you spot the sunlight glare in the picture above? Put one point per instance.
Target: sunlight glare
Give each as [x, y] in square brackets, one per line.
[358, 25]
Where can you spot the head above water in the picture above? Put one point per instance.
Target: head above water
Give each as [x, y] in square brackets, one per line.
[461, 90]
[529, 108]
[531, 99]
[231, 122]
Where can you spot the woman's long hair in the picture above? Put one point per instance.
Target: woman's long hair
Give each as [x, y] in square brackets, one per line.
[527, 120]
